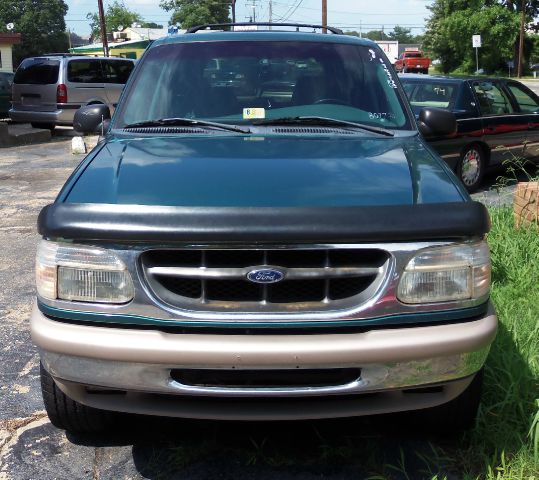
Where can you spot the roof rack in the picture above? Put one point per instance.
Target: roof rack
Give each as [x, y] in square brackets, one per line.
[336, 31]
[60, 55]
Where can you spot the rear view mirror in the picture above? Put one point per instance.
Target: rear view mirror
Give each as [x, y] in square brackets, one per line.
[88, 119]
[437, 122]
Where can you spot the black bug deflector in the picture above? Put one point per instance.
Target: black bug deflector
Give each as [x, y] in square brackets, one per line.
[134, 223]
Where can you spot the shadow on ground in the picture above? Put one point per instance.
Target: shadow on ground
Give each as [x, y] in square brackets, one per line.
[388, 446]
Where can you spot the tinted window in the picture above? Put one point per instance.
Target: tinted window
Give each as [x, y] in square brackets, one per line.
[413, 55]
[117, 71]
[84, 71]
[37, 71]
[228, 80]
[437, 94]
[526, 102]
[492, 100]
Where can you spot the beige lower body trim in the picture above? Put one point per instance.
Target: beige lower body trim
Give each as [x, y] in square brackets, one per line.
[137, 364]
[262, 351]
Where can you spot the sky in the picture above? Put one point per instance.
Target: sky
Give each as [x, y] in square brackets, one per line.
[347, 14]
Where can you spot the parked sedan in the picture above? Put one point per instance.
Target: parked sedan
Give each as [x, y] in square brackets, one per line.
[498, 120]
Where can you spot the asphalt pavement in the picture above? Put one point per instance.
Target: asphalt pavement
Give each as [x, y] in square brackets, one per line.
[31, 448]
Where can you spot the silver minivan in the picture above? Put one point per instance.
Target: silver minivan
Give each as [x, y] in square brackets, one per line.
[48, 90]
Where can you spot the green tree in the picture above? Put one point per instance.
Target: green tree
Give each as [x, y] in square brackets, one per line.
[189, 13]
[376, 35]
[402, 35]
[498, 28]
[116, 15]
[150, 25]
[453, 22]
[41, 24]
[436, 38]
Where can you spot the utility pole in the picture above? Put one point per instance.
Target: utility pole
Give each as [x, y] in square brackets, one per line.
[233, 11]
[521, 39]
[325, 15]
[103, 28]
[253, 16]
[270, 12]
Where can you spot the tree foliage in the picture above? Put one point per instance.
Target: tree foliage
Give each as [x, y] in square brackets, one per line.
[189, 13]
[452, 23]
[400, 34]
[150, 25]
[41, 24]
[116, 15]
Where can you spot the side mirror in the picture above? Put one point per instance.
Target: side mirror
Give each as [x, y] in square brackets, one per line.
[437, 122]
[88, 119]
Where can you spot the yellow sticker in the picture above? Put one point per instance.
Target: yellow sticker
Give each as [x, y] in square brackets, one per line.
[251, 113]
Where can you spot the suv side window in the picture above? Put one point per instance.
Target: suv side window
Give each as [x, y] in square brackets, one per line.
[492, 99]
[84, 71]
[117, 71]
[526, 102]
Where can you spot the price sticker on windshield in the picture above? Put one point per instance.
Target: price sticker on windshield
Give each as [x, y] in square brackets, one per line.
[254, 113]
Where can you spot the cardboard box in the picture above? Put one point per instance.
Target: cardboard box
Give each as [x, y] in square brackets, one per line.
[526, 204]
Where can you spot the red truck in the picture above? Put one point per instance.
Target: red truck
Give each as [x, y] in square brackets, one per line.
[412, 61]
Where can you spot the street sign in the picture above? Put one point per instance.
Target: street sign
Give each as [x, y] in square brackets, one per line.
[476, 41]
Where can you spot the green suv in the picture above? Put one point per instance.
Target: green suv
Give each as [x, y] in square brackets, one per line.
[262, 233]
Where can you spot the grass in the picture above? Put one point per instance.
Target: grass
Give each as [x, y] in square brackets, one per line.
[503, 446]
[507, 433]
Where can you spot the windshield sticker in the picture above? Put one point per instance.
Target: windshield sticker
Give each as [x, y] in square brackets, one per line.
[390, 81]
[254, 113]
[382, 116]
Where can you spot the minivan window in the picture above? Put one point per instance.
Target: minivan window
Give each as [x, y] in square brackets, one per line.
[117, 71]
[37, 71]
[84, 71]
[240, 82]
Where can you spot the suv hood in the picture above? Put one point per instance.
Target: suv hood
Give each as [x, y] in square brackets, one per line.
[256, 171]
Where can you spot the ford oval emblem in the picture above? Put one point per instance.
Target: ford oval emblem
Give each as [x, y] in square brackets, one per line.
[265, 275]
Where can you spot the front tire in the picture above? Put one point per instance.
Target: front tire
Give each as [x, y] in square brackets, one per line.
[471, 167]
[460, 413]
[70, 415]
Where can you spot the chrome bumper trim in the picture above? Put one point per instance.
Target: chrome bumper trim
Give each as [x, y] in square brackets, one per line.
[248, 409]
[150, 378]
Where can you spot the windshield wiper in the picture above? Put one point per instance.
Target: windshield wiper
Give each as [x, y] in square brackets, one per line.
[313, 120]
[179, 121]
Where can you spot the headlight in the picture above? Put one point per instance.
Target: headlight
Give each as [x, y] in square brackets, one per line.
[457, 272]
[82, 273]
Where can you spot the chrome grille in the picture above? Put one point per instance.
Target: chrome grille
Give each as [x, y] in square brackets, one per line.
[216, 280]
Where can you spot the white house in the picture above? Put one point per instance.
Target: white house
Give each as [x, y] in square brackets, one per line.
[7, 40]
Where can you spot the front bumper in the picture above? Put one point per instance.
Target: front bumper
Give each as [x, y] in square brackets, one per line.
[136, 364]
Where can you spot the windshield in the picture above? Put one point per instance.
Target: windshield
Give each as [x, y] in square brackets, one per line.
[241, 83]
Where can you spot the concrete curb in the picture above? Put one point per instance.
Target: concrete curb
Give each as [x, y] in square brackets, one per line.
[16, 135]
